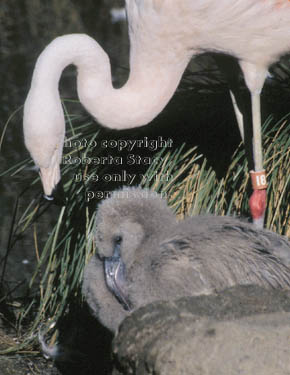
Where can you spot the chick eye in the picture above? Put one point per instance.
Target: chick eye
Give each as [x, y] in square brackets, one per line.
[118, 240]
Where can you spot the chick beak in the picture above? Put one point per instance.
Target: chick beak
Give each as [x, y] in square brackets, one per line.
[115, 279]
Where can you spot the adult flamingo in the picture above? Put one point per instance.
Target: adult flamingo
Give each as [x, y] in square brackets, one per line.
[164, 36]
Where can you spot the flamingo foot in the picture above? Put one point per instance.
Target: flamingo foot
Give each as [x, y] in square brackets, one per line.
[257, 205]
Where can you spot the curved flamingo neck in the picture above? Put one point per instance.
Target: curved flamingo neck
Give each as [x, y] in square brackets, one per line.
[148, 89]
[150, 86]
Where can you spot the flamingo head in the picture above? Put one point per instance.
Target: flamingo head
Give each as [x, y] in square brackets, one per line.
[44, 128]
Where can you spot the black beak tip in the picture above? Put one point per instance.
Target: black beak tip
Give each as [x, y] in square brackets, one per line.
[127, 306]
[57, 196]
[48, 197]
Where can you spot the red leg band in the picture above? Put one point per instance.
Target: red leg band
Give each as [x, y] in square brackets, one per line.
[259, 180]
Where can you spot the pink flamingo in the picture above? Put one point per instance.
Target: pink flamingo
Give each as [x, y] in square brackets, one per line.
[164, 36]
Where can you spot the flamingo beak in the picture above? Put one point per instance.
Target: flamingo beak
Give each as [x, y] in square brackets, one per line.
[114, 269]
[50, 177]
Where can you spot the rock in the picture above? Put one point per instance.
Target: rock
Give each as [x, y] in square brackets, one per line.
[243, 330]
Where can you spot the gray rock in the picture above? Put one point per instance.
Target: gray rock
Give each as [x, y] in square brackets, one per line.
[242, 330]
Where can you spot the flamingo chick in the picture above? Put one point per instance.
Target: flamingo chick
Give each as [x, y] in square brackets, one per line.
[164, 36]
[144, 254]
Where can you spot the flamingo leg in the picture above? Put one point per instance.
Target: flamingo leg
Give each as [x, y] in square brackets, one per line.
[257, 134]
[240, 99]
[258, 198]
[249, 126]
[239, 116]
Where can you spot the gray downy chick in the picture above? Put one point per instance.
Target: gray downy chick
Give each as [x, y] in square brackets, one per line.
[144, 254]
